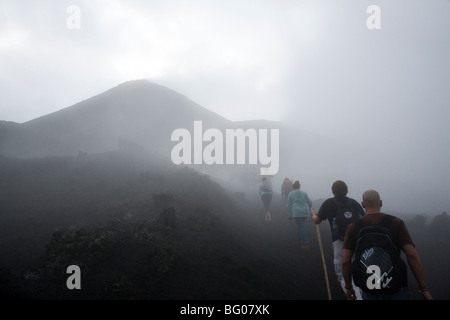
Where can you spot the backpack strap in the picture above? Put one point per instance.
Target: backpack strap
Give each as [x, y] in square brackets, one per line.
[359, 224]
[347, 202]
[386, 221]
[336, 202]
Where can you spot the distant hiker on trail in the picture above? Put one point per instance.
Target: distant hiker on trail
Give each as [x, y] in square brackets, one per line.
[299, 207]
[286, 188]
[266, 192]
[380, 275]
[340, 211]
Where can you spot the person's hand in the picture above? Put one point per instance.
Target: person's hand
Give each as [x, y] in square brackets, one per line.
[350, 293]
[313, 212]
[426, 295]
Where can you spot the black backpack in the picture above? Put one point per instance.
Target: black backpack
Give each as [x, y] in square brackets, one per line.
[346, 213]
[377, 266]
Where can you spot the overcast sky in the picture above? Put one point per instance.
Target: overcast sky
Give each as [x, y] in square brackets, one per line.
[313, 63]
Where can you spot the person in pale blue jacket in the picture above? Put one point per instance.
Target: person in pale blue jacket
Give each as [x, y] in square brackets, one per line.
[299, 207]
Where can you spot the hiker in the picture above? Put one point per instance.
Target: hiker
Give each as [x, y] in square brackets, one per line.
[265, 191]
[299, 207]
[373, 289]
[347, 210]
[286, 188]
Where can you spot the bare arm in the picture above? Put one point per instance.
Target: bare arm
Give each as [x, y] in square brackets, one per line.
[347, 273]
[315, 217]
[417, 269]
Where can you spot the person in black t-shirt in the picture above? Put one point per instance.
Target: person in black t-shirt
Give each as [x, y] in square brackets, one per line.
[372, 204]
[327, 211]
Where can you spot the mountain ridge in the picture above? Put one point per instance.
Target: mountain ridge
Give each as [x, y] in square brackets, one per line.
[138, 111]
[140, 116]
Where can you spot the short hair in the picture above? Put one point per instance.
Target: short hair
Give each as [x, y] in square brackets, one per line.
[371, 199]
[339, 188]
[296, 184]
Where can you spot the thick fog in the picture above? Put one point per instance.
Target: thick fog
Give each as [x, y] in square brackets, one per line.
[381, 95]
[104, 103]
[365, 90]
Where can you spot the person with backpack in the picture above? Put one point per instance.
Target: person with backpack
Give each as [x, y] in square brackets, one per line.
[372, 255]
[340, 211]
[299, 207]
[265, 191]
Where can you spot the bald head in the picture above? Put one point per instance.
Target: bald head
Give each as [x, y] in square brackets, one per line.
[371, 201]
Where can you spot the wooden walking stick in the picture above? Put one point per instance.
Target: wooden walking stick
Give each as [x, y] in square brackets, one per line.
[319, 238]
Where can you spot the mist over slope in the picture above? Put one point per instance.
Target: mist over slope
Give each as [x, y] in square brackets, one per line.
[89, 184]
[107, 214]
[138, 111]
[140, 116]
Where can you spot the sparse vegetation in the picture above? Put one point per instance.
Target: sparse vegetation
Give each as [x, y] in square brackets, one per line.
[142, 232]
